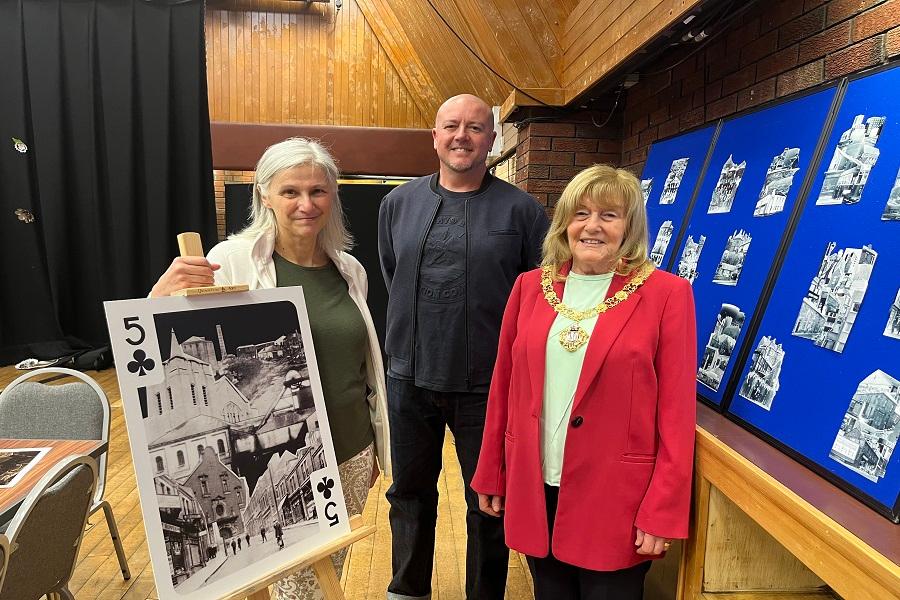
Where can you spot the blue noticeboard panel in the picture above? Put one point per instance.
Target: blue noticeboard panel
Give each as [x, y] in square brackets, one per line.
[740, 215]
[669, 178]
[823, 378]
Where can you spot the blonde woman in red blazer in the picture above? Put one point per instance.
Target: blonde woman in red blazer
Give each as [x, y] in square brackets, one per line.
[591, 498]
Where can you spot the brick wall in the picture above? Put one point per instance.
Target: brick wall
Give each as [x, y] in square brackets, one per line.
[550, 153]
[220, 178]
[776, 48]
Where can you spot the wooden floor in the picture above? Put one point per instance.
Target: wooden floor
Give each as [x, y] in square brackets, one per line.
[97, 575]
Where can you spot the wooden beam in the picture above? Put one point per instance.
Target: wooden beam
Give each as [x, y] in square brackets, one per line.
[531, 97]
[358, 150]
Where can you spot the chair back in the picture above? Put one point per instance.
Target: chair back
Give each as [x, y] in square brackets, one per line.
[46, 533]
[68, 411]
[4, 557]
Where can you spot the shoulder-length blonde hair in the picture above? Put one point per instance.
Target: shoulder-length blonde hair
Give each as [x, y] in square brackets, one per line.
[295, 152]
[601, 185]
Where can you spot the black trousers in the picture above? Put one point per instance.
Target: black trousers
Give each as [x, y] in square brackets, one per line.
[556, 580]
[418, 418]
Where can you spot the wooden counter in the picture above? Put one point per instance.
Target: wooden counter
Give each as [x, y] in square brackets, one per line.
[765, 526]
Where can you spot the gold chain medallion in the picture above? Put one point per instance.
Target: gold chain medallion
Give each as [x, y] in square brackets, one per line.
[574, 336]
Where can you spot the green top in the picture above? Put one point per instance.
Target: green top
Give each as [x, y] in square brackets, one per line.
[563, 368]
[341, 343]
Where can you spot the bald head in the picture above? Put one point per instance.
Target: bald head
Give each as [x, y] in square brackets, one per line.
[469, 104]
[463, 135]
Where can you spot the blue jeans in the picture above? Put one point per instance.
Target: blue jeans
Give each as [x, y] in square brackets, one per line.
[417, 419]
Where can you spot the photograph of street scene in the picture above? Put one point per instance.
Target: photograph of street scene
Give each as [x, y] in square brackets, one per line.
[733, 257]
[869, 429]
[690, 257]
[727, 186]
[852, 161]
[829, 310]
[233, 437]
[892, 207]
[646, 188]
[720, 346]
[16, 462]
[673, 180]
[778, 182]
[892, 329]
[663, 237]
[762, 381]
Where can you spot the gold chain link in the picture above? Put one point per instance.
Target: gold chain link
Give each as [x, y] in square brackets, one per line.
[578, 315]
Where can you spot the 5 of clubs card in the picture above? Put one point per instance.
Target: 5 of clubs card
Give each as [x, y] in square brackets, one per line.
[232, 450]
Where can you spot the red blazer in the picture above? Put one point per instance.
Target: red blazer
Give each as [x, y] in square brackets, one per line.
[630, 440]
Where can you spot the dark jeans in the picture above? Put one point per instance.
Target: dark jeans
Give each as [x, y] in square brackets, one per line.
[555, 580]
[418, 418]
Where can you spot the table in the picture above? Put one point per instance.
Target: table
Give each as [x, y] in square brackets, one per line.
[11, 498]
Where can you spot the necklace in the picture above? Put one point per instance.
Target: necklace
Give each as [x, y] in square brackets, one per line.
[574, 337]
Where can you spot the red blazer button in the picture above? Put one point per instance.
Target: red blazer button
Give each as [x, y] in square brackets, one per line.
[577, 421]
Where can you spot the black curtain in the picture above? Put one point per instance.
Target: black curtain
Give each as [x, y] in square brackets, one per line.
[109, 96]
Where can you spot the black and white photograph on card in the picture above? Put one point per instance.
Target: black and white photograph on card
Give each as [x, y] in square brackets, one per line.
[646, 188]
[729, 269]
[778, 182]
[661, 244]
[854, 157]
[690, 256]
[726, 188]
[720, 346]
[762, 381]
[892, 207]
[870, 427]
[16, 462]
[892, 329]
[829, 309]
[235, 437]
[673, 180]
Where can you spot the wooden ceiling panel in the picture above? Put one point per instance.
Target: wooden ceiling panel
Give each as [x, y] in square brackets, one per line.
[280, 62]
[614, 36]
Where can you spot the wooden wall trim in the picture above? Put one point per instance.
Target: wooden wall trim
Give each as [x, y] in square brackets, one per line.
[358, 150]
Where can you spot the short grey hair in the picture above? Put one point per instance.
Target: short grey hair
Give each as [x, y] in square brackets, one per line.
[290, 153]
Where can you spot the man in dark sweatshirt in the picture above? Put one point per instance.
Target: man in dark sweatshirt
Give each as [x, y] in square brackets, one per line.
[451, 246]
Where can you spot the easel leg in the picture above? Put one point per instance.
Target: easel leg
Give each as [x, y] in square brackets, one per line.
[328, 580]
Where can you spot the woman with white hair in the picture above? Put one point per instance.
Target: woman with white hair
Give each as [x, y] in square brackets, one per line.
[297, 236]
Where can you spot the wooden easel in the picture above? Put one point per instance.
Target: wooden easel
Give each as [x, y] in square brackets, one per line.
[189, 244]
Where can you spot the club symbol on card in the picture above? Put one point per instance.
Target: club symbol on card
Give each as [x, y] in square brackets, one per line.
[141, 364]
[325, 486]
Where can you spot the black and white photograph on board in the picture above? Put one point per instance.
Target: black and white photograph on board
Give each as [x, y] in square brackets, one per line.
[852, 161]
[690, 257]
[673, 180]
[733, 257]
[646, 188]
[230, 436]
[762, 381]
[778, 182]
[663, 237]
[870, 427]
[720, 346]
[892, 207]
[233, 418]
[726, 188]
[829, 309]
[892, 329]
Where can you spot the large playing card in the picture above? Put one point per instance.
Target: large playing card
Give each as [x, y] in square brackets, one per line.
[232, 450]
